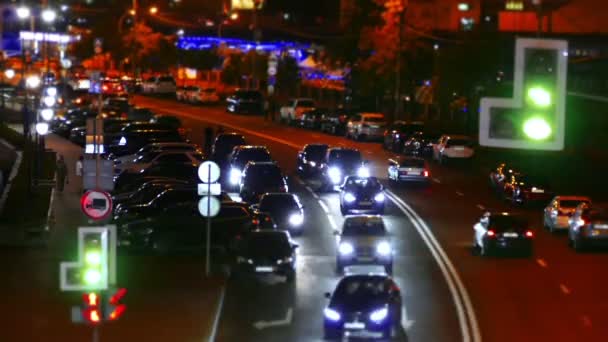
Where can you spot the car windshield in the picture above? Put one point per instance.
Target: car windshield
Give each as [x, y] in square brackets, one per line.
[361, 292]
[278, 203]
[417, 163]
[363, 181]
[459, 142]
[346, 156]
[571, 203]
[374, 119]
[315, 152]
[502, 223]
[265, 244]
[306, 103]
[358, 227]
[255, 155]
[263, 174]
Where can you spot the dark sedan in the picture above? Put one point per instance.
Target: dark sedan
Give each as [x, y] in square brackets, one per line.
[363, 306]
[285, 210]
[502, 232]
[162, 202]
[312, 118]
[310, 159]
[223, 145]
[419, 145]
[340, 162]
[362, 194]
[129, 180]
[245, 101]
[266, 252]
[398, 132]
[523, 189]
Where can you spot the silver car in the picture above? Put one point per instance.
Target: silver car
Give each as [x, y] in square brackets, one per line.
[588, 227]
[364, 241]
[558, 212]
[408, 169]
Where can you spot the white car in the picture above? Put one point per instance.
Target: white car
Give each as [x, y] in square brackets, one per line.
[203, 95]
[366, 126]
[453, 147]
[558, 212]
[294, 110]
[159, 85]
[164, 157]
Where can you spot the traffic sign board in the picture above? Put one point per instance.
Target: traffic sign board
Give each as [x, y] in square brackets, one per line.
[97, 205]
[272, 71]
[209, 172]
[213, 189]
[209, 206]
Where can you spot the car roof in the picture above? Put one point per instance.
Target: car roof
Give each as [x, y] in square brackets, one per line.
[250, 147]
[572, 198]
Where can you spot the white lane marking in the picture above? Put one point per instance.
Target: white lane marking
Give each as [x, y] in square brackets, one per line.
[266, 324]
[480, 207]
[324, 207]
[436, 180]
[420, 225]
[542, 263]
[406, 323]
[586, 321]
[218, 313]
[332, 223]
[564, 289]
[462, 301]
[459, 193]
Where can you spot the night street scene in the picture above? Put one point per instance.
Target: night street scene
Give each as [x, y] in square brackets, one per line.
[302, 171]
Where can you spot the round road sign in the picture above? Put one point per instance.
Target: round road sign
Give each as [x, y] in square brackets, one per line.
[209, 172]
[209, 206]
[97, 205]
[272, 71]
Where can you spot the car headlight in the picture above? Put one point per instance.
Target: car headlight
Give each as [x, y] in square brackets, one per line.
[379, 315]
[123, 141]
[363, 171]
[235, 176]
[346, 248]
[331, 314]
[312, 163]
[383, 248]
[335, 175]
[285, 261]
[379, 197]
[242, 260]
[348, 197]
[296, 219]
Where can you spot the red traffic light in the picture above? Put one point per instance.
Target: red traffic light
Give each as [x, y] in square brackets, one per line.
[93, 316]
[91, 299]
[116, 297]
[114, 308]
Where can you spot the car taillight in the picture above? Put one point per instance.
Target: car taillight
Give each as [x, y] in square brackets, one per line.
[491, 233]
[425, 173]
[105, 87]
[529, 234]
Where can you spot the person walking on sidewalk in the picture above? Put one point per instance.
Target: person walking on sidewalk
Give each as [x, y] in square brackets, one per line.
[61, 173]
[79, 169]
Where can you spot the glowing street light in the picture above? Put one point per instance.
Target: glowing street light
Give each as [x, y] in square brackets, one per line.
[49, 15]
[153, 10]
[180, 32]
[47, 114]
[42, 128]
[23, 12]
[9, 73]
[32, 82]
[234, 16]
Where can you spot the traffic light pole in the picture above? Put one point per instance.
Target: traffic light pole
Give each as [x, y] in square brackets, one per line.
[95, 337]
[208, 232]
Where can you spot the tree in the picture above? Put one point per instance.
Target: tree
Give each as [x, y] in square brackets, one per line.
[287, 75]
[142, 41]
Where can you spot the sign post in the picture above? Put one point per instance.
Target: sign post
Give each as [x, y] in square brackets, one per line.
[209, 205]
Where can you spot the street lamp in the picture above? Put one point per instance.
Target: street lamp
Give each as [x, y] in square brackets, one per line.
[49, 15]
[23, 12]
[9, 74]
[153, 10]
[32, 82]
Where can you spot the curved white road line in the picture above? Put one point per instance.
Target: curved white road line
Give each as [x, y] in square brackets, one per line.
[464, 308]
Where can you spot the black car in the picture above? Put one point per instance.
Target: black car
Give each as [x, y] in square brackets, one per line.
[181, 228]
[240, 156]
[245, 101]
[266, 252]
[499, 175]
[285, 210]
[312, 119]
[522, 189]
[363, 305]
[127, 180]
[259, 178]
[223, 145]
[120, 105]
[334, 122]
[140, 114]
[588, 227]
[398, 132]
[62, 125]
[310, 159]
[502, 232]
[420, 144]
[340, 162]
[160, 203]
[131, 142]
[170, 121]
[362, 194]
[153, 186]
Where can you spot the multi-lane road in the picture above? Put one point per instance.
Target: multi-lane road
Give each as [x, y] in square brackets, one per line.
[449, 295]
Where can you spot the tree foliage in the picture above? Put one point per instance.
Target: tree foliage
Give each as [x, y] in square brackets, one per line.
[142, 41]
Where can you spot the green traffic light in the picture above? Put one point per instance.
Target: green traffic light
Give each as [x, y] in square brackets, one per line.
[92, 276]
[539, 96]
[537, 128]
[92, 258]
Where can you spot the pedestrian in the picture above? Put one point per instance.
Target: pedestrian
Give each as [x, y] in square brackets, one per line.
[61, 173]
[79, 170]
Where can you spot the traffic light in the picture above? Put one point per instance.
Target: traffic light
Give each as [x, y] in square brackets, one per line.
[91, 311]
[91, 271]
[113, 308]
[535, 117]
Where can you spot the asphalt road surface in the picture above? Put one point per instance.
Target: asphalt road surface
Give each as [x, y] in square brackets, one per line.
[449, 295]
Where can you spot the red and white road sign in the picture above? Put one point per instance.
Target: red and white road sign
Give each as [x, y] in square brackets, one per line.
[97, 205]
